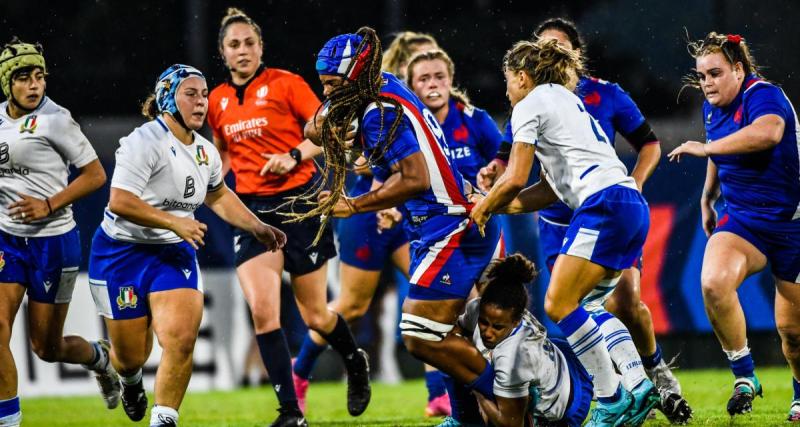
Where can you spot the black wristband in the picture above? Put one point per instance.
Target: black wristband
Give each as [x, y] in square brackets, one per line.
[49, 208]
[296, 154]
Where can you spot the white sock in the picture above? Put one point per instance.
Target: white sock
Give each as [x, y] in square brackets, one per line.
[160, 415]
[101, 363]
[13, 420]
[133, 379]
[622, 350]
[734, 355]
[586, 340]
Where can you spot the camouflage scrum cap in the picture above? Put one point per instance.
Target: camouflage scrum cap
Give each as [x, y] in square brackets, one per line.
[17, 55]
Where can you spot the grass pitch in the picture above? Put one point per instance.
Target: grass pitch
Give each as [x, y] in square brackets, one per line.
[395, 405]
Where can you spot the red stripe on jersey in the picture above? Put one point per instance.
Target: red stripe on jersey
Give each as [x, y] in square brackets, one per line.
[441, 161]
[441, 258]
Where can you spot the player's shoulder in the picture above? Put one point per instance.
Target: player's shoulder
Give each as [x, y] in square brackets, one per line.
[146, 137]
[54, 112]
[278, 77]
[757, 88]
[221, 90]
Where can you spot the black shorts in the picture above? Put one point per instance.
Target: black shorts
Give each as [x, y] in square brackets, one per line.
[299, 256]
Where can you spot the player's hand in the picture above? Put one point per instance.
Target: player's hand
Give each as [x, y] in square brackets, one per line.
[689, 148]
[709, 216]
[489, 174]
[361, 166]
[388, 218]
[482, 403]
[480, 217]
[343, 208]
[278, 164]
[270, 236]
[28, 209]
[313, 129]
[190, 230]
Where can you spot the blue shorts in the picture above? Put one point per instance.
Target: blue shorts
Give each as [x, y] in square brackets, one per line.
[449, 256]
[609, 228]
[778, 241]
[47, 266]
[123, 274]
[581, 390]
[362, 246]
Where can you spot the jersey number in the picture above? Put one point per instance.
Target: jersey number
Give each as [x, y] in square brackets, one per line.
[3, 152]
[189, 190]
[592, 122]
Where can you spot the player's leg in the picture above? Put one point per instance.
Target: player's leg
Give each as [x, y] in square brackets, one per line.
[787, 320]
[728, 260]
[11, 295]
[176, 316]
[131, 343]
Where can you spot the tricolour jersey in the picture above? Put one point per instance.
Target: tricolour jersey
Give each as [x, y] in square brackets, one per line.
[166, 174]
[36, 151]
[472, 137]
[576, 155]
[524, 359]
[764, 185]
[264, 116]
[418, 132]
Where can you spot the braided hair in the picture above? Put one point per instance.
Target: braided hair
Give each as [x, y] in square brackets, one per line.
[343, 106]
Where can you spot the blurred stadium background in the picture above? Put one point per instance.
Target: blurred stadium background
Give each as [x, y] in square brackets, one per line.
[103, 57]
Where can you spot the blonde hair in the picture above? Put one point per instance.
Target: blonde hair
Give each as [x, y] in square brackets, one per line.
[732, 46]
[401, 48]
[545, 61]
[433, 55]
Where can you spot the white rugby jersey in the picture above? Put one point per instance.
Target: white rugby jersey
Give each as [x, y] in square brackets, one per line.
[36, 151]
[166, 174]
[575, 154]
[526, 358]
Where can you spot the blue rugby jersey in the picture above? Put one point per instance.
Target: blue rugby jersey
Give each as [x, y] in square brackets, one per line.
[472, 136]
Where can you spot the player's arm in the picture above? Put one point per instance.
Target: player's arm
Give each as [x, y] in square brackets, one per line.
[646, 143]
[508, 185]
[222, 147]
[709, 197]
[129, 206]
[764, 133]
[91, 177]
[283, 163]
[533, 198]
[505, 412]
[230, 208]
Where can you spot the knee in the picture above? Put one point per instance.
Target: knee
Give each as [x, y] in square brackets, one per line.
[320, 321]
[557, 310]
[790, 336]
[714, 290]
[45, 350]
[179, 341]
[417, 346]
[265, 317]
[130, 362]
[354, 310]
[624, 310]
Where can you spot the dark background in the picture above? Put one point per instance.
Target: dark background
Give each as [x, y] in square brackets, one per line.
[104, 56]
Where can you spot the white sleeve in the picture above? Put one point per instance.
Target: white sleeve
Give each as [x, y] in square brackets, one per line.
[136, 160]
[526, 118]
[511, 374]
[68, 140]
[216, 179]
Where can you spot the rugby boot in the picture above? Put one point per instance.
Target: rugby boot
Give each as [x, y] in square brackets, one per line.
[745, 389]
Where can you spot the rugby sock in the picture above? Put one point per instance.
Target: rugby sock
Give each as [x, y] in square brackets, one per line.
[613, 398]
[162, 416]
[652, 360]
[621, 349]
[133, 379]
[307, 358]
[341, 339]
[100, 361]
[484, 384]
[435, 384]
[587, 342]
[463, 406]
[10, 413]
[741, 362]
[276, 358]
[796, 387]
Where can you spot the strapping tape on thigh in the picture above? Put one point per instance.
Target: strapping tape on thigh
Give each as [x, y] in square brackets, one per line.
[422, 328]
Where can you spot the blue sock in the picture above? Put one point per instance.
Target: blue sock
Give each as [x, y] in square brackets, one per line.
[796, 387]
[484, 384]
[463, 406]
[435, 384]
[613, 398]
[650, 362]
[9, 406]
[307, 358]
[743, 367]
[276, 358]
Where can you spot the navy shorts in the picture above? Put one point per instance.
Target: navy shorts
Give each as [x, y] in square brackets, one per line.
[46, 266]
[122, 275]
[609, 228]
[581, 390]
[362, 246]
[778, 241]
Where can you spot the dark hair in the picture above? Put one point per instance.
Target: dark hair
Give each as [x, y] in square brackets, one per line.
[149, 107]
[233, 16]
[545, 61]
[344, 105]
[565, 26]
[506, 283]
[732, 46]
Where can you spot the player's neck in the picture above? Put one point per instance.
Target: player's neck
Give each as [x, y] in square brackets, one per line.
[14, 111]
[182, 134]
[441, 114]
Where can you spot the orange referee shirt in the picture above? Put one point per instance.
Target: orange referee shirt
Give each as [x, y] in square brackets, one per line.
[265, 116]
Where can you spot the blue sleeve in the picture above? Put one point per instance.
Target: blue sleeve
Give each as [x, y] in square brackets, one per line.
[508, 135]
[405, 142]
[762, 100]
[627, 116]
[490, 135]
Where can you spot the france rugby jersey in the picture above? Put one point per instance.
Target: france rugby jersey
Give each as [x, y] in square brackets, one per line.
[764, 185]
[472, 137]
[418, 132]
